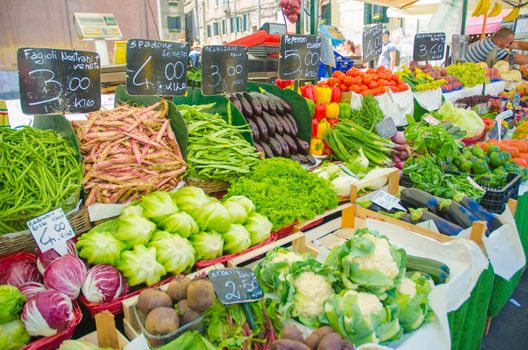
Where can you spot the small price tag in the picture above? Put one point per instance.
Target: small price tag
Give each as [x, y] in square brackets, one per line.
[386, 200]
[474, 183]
[237, 285]
[139, 343]
[386, 128]
[51, 231]
[347, 171]
[431, 120]
[516, 101]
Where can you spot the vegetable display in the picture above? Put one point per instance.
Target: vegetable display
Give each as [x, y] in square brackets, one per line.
[467, 120]
[284, 192]
[47, 313]
[419, 80]
[166, 233]
[39, 171]
[217, 150]
[368, 115]
[358, 291]
[511, 150]
[468, 73]
[275, 131]
[128, 152]
[450, 82]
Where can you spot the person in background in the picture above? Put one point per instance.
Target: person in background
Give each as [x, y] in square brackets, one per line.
[496, 47]
[387, 58]
[195, 53]
[347, 49]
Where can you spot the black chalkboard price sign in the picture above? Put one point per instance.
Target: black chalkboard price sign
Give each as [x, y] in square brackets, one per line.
[372, 42]
[156, 67]
[57, 81]
[224, 69]
[429, 46]
[235, 286]
[299, 57]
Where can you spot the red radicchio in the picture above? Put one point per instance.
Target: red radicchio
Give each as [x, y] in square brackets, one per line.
[44, 259]
[31, 288]
[19, 273]
[66, 274]
[104, 283]
[47, 313]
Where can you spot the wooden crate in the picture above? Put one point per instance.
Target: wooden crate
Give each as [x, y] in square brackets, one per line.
[132, 328]
[106, 333]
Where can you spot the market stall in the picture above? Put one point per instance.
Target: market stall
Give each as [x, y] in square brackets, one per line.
[371, 209]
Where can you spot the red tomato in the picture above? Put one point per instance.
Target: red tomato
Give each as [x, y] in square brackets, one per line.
[343, 87]
[363, 87]
[372, 85]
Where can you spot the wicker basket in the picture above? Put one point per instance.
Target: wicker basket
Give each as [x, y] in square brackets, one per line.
[23, 240]
[210, 186]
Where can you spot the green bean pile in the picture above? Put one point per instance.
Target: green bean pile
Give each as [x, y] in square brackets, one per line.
[39, 171]
[217, 150]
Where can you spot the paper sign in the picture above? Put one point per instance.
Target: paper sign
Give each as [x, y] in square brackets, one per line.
[51, 231]
[386, 128]
[139, 343]
[234, 286]
[431, 120]
[386, 200]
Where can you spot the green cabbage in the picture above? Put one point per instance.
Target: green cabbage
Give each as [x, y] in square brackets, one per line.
[273, 269]
[369, 261]
[180, 223]
[157, 205]
[259, 228]
[214, 217]
[13, 335]
[175, 253]
[99, 246]
[11, 302]
[133, 228]
[362, 318]
[237, 213]
[467, 120]
[140, 266]
[236, 239]
[411, 297]
[243, 201]
[190, 200]
[305, 291]
[208, 245]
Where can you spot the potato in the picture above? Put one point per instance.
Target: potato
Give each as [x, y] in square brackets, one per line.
[314, 339]
[177, 289]
[150, 299]
[291, 332]
[162, 320]
[334, 341]
[288, 344]
[187, 315]
[200, 295]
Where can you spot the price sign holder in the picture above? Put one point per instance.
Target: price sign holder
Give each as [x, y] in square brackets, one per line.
[299, 57]
[496, 132]
[386, 200]
[431, 120]
[372, 42]
[51, 231]
[156, 67]
[224, 69]
[58, 81]
[429, 46]
[237, 286]
[386, 128]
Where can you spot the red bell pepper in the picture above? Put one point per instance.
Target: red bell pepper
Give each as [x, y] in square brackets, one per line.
[320, 112]
[315, 123]
[336, 95]
[283, 84]
[308, 91]
[333, 121]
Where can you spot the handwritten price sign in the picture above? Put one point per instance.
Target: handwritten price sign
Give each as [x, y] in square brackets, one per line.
[51, 231]
[234, 286]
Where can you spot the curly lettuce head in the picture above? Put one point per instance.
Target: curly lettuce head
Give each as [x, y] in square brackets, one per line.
[13, 335]
[369, 261]
[305, 291]
[175, 253]
[273, 269]
[236, 239]
[190, 200]
[208, 245]
[133, 228]
[411, 297]
[259, 228]
[140, 266]
[157, 205]
[237, 213]
[99, 245]
[180, 223]
[244, 201]
[361, 318]
[11, 301]
[214, 217]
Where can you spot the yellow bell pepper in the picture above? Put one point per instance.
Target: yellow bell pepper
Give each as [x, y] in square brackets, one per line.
[332, 110]
[322, 129]
[316, 147]
[323, 94]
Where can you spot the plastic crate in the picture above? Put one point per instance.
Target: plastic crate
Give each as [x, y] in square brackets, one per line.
[495, 199]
